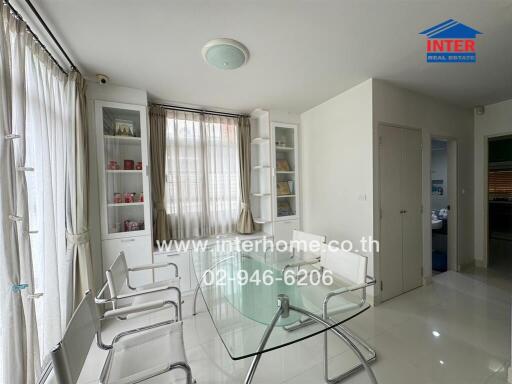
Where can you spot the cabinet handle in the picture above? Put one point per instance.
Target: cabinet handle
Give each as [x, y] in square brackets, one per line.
[127, 240]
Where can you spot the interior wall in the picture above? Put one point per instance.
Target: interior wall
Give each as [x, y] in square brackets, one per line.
[397, 106]
[496, 121]
[96, 91]
[439, 171]
[337, 194]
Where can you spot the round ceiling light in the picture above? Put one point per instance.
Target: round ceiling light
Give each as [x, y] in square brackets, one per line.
[225, 53]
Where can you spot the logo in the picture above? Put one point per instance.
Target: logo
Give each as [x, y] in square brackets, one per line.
[451, 42]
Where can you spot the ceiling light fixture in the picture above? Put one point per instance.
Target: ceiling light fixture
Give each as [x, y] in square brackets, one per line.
[436, 334]
[225, 53]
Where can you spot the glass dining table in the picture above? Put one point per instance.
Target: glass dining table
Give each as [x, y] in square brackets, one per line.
[261, 301]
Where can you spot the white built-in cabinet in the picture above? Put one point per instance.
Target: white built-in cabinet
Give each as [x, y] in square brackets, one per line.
[183, 261]
[123, 172]
[400, 185]
[274, 176]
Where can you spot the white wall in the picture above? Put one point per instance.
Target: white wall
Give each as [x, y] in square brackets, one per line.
[440, 172]
[113, 93]
[496, 121]
[336, 142]
[397, 106]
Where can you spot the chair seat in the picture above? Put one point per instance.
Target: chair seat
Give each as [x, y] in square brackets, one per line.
[146, 354]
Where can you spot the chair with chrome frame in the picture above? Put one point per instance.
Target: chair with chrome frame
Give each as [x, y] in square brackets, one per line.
[350, 269]
[127, 360]
[118, 279]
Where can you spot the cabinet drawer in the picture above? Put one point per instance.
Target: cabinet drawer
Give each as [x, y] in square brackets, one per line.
[137, 251]
[182, 261]
[283, 229]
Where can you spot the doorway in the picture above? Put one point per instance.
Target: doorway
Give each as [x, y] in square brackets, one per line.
[500, 204]
[443, 204]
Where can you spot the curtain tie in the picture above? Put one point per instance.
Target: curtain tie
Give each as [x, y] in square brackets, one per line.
[244, 205]
[160, 205]
[78, 239]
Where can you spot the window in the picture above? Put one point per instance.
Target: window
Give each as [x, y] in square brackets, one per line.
[202, 174]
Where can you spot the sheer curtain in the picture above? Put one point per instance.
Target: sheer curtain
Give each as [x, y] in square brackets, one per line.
[18, 332]
[36, 274]
[46, 137]
[202, 174]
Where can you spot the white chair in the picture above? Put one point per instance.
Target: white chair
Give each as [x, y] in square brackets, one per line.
[306, 243]
[118, 281]
[349, 269]
[134, 356]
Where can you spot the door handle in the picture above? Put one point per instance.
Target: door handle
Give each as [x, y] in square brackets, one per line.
[403, 211]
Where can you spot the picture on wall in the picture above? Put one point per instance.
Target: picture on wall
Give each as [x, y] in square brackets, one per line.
[438, 187]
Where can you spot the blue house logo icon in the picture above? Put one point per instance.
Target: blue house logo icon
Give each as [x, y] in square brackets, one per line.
[451, 42]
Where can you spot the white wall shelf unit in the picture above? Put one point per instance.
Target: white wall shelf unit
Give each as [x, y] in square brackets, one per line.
[274, 176]
[123, 176]
[261, 175]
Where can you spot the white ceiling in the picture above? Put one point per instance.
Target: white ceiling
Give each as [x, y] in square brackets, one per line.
[302, 52]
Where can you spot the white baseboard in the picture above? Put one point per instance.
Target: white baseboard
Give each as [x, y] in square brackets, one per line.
[510, 374]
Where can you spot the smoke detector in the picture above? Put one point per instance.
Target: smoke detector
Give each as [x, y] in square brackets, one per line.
[225, 53]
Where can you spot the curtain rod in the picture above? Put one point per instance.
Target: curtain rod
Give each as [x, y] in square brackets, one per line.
[197, 110]
[34, 35]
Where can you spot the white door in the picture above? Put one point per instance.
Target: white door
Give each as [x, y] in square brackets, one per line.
[400, 202]
[411, 209]
[390, 255]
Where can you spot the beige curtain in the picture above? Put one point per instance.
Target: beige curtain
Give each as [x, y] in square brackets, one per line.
[157, 118]
[19, 348]
[245, 221]
[78, 246]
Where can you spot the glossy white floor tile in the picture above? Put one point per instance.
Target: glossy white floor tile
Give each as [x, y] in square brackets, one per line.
[454, 331]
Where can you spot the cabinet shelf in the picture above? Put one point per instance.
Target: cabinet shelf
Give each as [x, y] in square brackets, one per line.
[285, 172]
[124, 139]
[124, 171]
[261, 220]
[279, 196]
[284, 148]
[261, 167]
[258, 194]
[124, 204]
[260, 140]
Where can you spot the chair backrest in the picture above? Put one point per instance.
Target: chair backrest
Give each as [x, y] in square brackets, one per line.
[117, 275]
[301, 241]
[69, 355]
[349, 266]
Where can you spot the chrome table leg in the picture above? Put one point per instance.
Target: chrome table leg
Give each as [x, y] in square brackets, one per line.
[282, 311]
[346, 339]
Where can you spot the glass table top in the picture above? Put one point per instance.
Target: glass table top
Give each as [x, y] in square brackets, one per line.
[241, 291]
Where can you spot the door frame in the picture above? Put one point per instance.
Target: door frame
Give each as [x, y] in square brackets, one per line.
[377, 203]
[453, 193]
[486, 243]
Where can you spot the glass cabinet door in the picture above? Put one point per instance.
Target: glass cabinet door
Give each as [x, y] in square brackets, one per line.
[285, 171]
[123, 170]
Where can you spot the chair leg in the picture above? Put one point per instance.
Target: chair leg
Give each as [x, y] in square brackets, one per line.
[185, 367]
